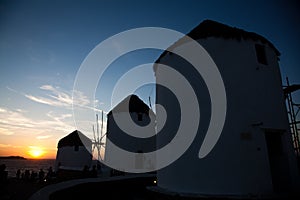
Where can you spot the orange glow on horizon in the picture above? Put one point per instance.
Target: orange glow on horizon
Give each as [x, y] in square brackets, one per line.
[29, 152]
[36, 152]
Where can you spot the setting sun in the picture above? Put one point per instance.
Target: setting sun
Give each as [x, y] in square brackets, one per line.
[35, 152]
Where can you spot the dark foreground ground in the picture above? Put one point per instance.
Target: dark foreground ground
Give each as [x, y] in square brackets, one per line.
[120, 189]
[15, 189]
[131, 189]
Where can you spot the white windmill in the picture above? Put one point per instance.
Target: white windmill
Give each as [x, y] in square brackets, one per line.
[97, 142]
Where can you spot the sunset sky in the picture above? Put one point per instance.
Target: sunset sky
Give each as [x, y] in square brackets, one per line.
[43, 43]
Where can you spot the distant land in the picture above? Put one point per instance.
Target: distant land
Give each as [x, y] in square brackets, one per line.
[13, 157]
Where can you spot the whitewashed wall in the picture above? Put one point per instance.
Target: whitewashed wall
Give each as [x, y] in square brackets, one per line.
[238, 165]
[131, 145]
[68, 158]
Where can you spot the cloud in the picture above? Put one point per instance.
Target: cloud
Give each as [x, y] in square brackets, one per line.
[43, 100]
[55, 98]
[9, 146]
[20, 123]
[2, 110]
[13, 122]
[64, 116]
[10, 120]
[21, 110]
[5, 145]
[97, 103]
[12, 90]
[47, 87]
[61, 98]
[4, 131]
[43, 137]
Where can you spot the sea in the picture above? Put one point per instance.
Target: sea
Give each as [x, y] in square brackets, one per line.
[12, 165]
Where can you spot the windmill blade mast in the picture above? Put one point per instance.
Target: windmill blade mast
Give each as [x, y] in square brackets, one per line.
[103, 136]
[101, 124]
[150, 102]
[97, 143]
[94, 133]
[97, 124]
[99, 155]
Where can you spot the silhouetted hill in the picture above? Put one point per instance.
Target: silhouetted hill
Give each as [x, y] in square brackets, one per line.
[13, 157]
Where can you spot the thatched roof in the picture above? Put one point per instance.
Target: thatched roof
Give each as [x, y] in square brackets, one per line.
[74, 139]
[135, 105]
[209, 28]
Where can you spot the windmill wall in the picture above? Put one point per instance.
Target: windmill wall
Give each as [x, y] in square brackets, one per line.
[254, 154]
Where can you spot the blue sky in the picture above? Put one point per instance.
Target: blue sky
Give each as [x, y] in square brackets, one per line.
[43, 43]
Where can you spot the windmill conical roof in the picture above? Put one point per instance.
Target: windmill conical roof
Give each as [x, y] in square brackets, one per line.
[76, 138]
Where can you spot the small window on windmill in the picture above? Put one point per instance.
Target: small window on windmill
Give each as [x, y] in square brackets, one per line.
[76, 148]
[261, 54]
[140, 116]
